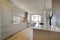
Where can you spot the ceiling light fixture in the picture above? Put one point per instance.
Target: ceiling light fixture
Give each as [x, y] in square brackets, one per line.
[44, 11]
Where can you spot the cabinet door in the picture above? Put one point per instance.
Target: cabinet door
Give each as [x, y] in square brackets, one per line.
[40, 35]
[54, 36]
[0, 22]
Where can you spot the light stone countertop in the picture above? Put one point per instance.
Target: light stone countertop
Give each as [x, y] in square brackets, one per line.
[55, 29]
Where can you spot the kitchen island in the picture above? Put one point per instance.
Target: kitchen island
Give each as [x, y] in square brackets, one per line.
[42, 34]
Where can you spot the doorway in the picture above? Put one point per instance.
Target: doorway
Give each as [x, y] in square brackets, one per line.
[36, 19]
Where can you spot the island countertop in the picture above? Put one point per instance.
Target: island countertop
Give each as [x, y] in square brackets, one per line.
[55, 29]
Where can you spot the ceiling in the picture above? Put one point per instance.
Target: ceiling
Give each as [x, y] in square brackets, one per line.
[33, 6]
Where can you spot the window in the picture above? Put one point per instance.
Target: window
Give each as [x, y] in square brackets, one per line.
[36, 18]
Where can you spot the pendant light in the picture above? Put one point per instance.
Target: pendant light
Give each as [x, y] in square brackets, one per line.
[44, 11]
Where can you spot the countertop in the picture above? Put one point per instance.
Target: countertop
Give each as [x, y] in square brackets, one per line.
[54, 29]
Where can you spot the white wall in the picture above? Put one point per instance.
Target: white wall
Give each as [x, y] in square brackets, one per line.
[8, 28]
